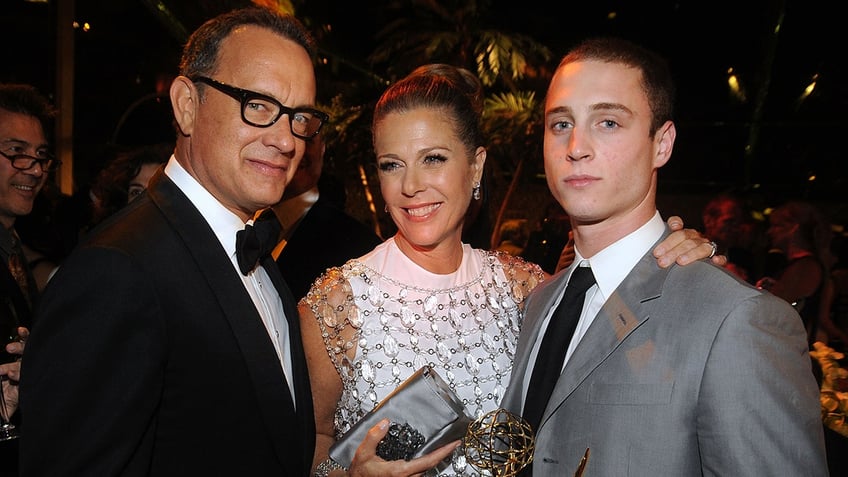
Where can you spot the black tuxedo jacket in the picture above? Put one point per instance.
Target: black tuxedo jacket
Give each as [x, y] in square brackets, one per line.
[13, 305]
[325, 237]
[148, 357]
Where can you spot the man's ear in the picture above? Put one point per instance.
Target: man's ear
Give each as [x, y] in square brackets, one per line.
[184, 101]
[664, 138]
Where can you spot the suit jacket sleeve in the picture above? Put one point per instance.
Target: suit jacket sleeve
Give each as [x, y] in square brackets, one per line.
[760, 356]
[93, 397]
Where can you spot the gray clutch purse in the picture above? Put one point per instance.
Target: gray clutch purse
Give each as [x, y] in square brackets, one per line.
[425, 415]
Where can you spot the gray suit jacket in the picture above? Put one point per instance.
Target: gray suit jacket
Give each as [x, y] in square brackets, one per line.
[685, 371]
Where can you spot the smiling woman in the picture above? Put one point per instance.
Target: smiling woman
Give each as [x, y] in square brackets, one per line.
[422, 297]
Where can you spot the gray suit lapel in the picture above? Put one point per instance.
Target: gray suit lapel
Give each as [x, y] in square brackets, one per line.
[541, 300]
[622, 313]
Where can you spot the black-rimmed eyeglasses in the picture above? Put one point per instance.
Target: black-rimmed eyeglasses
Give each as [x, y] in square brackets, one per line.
[262, 110]
[23, 162]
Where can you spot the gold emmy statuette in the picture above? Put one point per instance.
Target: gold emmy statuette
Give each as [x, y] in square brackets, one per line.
[582, 466]
[500, 442]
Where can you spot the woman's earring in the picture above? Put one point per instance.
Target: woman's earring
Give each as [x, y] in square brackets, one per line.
[476, 192]
[386, 208]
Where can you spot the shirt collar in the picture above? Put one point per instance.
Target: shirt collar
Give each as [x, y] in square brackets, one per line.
[224, 223]
[612, 264]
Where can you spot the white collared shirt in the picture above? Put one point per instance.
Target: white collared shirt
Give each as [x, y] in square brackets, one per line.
[610, 267]
[225, 224]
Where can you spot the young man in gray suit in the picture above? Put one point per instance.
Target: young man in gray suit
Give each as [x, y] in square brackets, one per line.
[156, 350]
[684, 371]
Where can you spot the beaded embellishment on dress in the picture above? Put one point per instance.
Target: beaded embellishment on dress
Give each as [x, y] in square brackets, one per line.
[378, 331]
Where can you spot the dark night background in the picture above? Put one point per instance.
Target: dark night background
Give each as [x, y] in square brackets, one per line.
[129, 47]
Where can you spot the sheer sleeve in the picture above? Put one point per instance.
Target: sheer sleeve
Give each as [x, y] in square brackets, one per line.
[331, 303]
[522, 275]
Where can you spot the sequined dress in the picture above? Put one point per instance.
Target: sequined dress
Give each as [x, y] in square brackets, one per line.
[379, 328]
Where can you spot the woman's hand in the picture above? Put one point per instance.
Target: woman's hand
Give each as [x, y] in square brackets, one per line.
[366, 462]
[685, 246]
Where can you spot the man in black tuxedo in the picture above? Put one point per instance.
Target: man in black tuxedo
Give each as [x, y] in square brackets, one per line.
[155, 350]
[317, 232]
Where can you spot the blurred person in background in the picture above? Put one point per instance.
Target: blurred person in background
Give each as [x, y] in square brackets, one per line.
[837, 328]
[803, 235]
[547, 242]
[25, 118]
[729, 224]
[125, 178]
[317, 233]
[513, 236]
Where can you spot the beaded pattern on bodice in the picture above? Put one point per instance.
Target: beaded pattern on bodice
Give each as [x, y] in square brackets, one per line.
[379, 331]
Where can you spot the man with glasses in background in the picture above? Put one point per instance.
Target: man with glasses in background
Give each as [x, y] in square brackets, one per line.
[161, 347]
[25, 115]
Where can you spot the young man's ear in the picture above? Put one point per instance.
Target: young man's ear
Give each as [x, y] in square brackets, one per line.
[664, 138]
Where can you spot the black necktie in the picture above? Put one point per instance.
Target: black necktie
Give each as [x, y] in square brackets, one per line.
[554, 345]
[256, 241]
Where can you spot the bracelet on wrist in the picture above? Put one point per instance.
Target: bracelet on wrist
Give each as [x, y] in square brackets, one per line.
[324, 468]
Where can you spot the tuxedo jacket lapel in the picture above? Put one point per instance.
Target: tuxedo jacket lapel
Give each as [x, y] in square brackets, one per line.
[261, 359]
[303, 392]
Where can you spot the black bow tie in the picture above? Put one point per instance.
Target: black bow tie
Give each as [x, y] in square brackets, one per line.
[256, 241]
